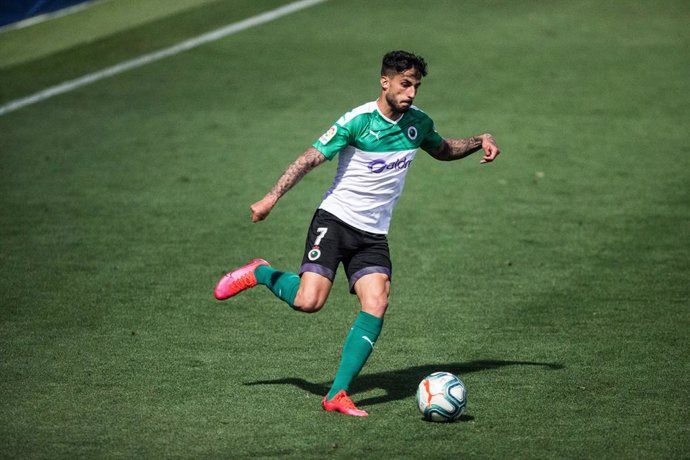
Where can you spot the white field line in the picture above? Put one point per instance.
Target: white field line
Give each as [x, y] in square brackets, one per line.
[158, 55]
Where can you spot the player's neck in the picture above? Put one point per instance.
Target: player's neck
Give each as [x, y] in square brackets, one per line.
[386, 110]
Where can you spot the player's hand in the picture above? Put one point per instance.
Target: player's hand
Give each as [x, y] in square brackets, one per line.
[491, 150]
[262, 208]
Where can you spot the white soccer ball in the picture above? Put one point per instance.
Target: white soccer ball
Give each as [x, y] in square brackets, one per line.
[441, 397]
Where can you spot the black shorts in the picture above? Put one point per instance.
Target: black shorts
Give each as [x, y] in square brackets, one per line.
[331, 241]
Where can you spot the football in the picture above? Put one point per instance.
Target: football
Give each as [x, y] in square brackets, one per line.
[441, 397]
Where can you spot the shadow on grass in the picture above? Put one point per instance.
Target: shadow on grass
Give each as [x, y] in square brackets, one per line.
[401, 384]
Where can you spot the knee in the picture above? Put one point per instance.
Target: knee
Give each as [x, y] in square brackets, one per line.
[376, 308]
[373, 291]
[376, 304]
[308, 304]
[308, 307]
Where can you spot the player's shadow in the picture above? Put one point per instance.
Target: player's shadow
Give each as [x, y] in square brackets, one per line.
[401, 384]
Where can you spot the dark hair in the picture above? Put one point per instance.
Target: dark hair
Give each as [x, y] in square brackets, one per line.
[400, 61]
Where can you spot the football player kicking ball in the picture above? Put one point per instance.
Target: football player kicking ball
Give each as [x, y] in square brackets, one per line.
[376, 145]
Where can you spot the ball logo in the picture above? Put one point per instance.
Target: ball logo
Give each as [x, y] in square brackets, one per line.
[379, 166]
[328, 135]
[412, 133]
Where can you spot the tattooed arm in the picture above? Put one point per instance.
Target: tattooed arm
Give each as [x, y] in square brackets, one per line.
[455, 149]
[293, 174]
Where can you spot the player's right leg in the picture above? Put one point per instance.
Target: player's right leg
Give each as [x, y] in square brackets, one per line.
[312, 293]
[283, 284]
[307, 293]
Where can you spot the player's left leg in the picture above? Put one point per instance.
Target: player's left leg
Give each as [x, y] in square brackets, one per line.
[369, 271]
[372, 291]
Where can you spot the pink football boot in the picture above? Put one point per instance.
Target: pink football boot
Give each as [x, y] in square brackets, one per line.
[343, 404]
[237, 281]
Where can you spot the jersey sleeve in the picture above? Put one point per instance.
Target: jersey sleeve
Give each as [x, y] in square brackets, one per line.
[432, 139]
[333, 141]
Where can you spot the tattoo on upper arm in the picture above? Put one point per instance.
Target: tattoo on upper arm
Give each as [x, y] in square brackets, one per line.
[297, 170]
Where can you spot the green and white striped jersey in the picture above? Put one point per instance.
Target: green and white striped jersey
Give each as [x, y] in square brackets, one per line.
[375, 154]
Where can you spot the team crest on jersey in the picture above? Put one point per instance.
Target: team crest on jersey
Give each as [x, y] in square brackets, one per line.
[328, 135]
[314, 254]
[412, 133]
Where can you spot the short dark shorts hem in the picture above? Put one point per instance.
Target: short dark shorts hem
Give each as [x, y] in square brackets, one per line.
[318, 269]
[367, 271]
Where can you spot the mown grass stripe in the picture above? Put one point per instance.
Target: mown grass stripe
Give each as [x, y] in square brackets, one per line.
[214, 35]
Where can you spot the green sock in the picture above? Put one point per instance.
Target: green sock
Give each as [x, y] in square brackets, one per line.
[358, 346]
[283, 284]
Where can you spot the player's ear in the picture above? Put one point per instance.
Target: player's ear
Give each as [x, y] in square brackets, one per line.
[385, 82]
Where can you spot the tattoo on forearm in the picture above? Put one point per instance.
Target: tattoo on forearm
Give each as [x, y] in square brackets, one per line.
[462, 147]
[454, 149]
[297, 170]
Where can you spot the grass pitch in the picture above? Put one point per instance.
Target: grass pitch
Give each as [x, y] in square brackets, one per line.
[554, 281]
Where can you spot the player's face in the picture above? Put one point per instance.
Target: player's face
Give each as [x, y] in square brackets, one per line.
[401, 89]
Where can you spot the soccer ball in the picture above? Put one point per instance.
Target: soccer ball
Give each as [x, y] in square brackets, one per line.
[441, 397]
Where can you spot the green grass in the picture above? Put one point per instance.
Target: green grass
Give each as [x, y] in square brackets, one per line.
[100, 19]
[554, 281]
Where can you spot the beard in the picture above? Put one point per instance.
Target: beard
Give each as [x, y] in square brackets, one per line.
[399, 108]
